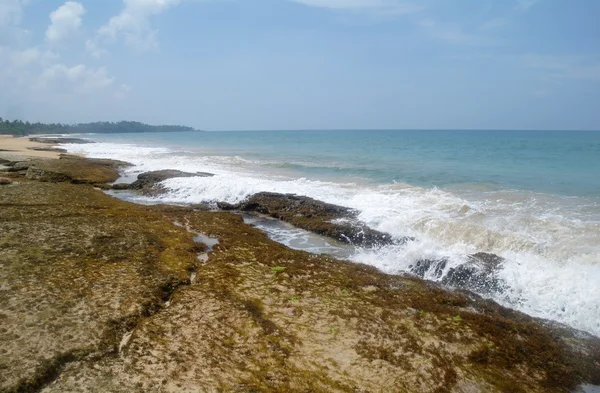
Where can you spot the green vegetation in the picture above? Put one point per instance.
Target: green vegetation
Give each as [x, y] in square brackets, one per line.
[20, 128]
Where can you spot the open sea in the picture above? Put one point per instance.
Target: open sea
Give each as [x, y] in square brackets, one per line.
[532, 197]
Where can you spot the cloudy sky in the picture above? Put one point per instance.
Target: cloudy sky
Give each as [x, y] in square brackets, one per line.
[303, 64]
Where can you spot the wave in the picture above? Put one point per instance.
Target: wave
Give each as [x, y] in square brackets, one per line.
[550, 244]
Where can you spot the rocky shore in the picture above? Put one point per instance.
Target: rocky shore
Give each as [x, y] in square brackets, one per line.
[98, 294]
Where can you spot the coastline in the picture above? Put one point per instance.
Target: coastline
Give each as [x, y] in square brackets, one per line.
[13, 148]
[135, 304]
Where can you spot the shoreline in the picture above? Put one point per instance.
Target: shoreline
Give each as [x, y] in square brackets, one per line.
[247, 313]
[12, 148]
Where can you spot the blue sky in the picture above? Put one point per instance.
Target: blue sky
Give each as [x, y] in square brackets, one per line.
[304, 64]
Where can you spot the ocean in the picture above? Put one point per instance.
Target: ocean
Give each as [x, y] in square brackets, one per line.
[531, 197]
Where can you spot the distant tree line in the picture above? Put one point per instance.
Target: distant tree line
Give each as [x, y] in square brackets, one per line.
[20, 128]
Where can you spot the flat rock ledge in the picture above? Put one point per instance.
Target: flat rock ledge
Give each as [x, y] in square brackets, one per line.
[101, 295]
[57, 140]
[325, 219]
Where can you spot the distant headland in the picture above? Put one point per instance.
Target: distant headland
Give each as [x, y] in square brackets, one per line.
[21, 128]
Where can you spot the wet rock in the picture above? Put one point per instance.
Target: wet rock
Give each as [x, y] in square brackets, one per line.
[477, 274]
[226, 206]
[120, 186]
[319, 217]
[429, 268]
[5, 181]
[58, 140]
[147, 181]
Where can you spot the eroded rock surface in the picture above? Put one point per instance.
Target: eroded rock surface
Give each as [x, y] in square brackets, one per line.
[96, 295]
[77, 270]
[319, 217]
[72, 169]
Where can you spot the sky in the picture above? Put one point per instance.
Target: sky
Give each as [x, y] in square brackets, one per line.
[303, 64]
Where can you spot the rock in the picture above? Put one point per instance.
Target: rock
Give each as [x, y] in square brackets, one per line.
[97, 295]
[476, 274]
[226, 206]
[115, 164]
[120, 186]
[423, 266]
[16, 166]
[5, 181]
[58, 140]
[72, 170]
[319, 217]
[146, 181]
[79, 270]
[54, 149]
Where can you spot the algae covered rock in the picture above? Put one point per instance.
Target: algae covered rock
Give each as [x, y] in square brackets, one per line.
[74, 170]
[78, 270]
[98, 294]
[319, 217]
[261, 317]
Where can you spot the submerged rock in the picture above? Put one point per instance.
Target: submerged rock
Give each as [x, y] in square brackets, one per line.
[319, 217]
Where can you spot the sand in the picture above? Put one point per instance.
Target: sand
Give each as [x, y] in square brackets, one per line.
[11, 147]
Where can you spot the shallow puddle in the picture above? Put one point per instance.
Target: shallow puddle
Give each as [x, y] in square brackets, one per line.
[298, 239]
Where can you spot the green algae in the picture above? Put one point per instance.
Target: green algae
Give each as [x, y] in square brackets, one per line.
[81, 269]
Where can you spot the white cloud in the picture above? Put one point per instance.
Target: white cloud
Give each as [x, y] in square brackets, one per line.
[10, 11]
[93, 49]
[66, 21]
[133, 22]
[387, 6]
[78, 79]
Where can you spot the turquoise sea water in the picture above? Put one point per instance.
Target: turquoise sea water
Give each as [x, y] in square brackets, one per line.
[559, 162]
[531, 197]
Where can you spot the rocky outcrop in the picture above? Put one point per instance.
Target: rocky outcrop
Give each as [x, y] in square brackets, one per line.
[477, 274]
[54, 149]
[73, 170]
[319, 217]
[57, 140]
[79, 270]
[98, 294]
[147, 182]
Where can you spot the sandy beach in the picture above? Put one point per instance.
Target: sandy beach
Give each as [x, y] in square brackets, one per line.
[11, 146]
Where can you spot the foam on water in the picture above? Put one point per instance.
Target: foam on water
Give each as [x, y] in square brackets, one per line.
[551, 244]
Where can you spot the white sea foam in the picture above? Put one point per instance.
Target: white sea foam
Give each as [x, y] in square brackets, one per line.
[551, 244]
